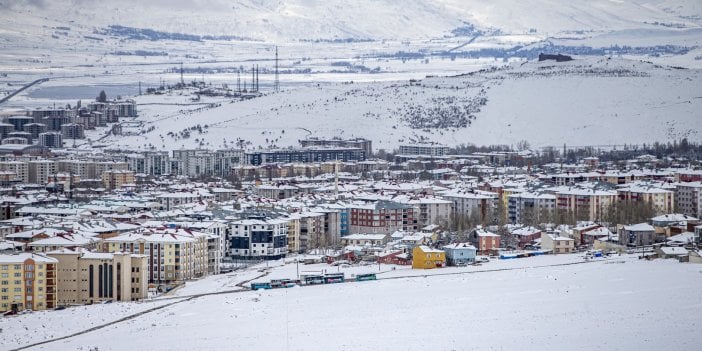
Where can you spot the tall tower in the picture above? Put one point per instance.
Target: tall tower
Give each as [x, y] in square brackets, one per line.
[276, 83]
[181, 74]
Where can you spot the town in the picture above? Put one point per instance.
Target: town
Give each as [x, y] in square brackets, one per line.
[88, 226]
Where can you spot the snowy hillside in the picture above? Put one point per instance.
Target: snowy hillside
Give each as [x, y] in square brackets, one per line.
[388, 19]
[582, 102]
[617, 304]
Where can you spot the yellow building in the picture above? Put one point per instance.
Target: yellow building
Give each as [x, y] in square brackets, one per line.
[114, 179]
[424, 257]
[27, 281]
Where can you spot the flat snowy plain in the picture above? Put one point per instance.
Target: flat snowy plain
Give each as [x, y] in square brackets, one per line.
[615, 304]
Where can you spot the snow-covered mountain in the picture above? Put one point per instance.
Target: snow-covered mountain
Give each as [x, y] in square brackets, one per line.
[583, 102]
[284, 20]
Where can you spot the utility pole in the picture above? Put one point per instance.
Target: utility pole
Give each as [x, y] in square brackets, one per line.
[276, 83]
[182, 82]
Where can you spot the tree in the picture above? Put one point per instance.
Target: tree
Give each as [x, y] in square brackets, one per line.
[102, 97]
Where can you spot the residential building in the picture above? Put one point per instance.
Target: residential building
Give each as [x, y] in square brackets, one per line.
[258, 238]
[382, 217]
[365, 239]
[485, 241]
[528, 207]
[688, 198]
[173, 254]
[308, 154]
[424, 149]
[424, 257]
[636, 235]
[115, 179]
[557, 244]
[27, 281]
[460, 254]
[86, 277]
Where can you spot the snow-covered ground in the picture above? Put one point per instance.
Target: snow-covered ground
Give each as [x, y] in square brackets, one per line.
[620, 303]
[20, 330]
[583, 102]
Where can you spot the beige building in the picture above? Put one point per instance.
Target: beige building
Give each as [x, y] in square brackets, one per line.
[173, 254]
[557, 244]
[90, 277]
[27, 281]
[19, 168]
[661, 200]
[115, 179]
[40, 170]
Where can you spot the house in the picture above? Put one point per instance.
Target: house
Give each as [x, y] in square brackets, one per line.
[636, 235]
[484, 240]
[424, 257]
[365, 239]
[397, 257]
[671, 252]
[695, 257]
[459, 254]
[557, 244]
[526, 235]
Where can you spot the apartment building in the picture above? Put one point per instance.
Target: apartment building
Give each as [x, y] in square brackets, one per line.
[688, 198]
[173, 254]
[115, 179]
[384, 217]
[662, 200]
[424, 149]
[588, 204]
[258, 237]
[155, 163]
[39, 171]
[86, 277]
[27, 281]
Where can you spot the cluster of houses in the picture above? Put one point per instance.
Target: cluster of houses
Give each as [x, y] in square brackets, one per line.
[79, 228]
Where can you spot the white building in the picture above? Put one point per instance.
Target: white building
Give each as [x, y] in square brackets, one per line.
[260, 238]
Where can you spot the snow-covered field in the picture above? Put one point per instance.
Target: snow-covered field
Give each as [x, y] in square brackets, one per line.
[583, 102]
[615, 304]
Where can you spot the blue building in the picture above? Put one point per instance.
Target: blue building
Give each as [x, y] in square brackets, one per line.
[460, 254]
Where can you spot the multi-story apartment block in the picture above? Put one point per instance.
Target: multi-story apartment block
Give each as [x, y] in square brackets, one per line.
[115, 179]
[51, 139]
[526, 206]
[662, 200]
[467, 201]
[40, 170]
[155, 163]
[195, 162]
[363, 144]
[19, 168]
[382, 217]
[688, 198]
[173, 254]
[27, 281]
[588, 204]
[431, 210]
[305, 155]
[258, 238]
[424, 149]
[86, 277]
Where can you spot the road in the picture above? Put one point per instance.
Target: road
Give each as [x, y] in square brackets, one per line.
[38, 81]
